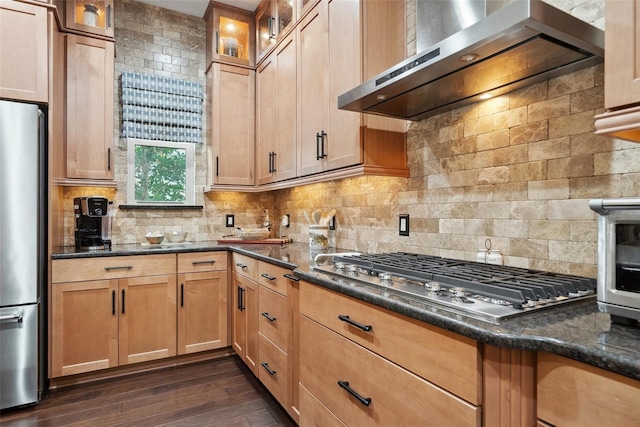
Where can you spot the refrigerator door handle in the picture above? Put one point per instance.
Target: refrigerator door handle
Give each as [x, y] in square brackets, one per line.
[16, 315]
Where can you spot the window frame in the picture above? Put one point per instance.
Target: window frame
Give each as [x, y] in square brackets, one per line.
[189, 185]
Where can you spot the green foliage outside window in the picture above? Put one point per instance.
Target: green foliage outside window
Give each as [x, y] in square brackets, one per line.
[160, 174]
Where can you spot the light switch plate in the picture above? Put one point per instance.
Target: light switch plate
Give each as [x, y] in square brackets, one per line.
[403, 225]
[229, 221]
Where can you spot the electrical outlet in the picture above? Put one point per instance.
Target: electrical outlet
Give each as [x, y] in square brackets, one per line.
[229, 221]
[403, 225]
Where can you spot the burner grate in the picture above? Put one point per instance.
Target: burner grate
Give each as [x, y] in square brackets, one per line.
[518, 286]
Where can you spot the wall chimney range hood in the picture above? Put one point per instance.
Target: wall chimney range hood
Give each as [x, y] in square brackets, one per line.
[473, 49]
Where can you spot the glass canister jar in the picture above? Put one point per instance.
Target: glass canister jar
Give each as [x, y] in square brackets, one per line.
[90, 15]
[318, 236]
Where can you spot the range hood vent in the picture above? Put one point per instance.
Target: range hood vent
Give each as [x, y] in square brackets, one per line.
[511, 46]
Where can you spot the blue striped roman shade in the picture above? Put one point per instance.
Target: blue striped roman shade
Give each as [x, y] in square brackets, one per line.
[161, 108]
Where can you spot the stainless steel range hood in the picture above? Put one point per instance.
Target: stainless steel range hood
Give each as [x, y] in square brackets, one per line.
[510, 46]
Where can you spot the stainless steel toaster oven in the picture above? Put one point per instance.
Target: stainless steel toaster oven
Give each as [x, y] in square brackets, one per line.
[618, 288]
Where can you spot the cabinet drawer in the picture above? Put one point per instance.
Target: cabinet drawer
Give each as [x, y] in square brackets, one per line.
[314, 413]
[577, 394]
[245, 266]
[193, 262]
[272, 277]
[78, 269]
[449, 360]
[388, 394]
[275, 320]
[273, 369]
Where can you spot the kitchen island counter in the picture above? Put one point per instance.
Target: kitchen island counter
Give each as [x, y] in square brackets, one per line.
[576, 330]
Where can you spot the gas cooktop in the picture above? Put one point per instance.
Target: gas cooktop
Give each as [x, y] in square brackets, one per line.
[483, 291]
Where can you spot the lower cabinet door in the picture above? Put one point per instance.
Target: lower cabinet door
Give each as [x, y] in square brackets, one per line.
[238, 315]
[202, 311]
[245, 320]
[84, 329]
[362, 388]
[273, 369]
[147, 318]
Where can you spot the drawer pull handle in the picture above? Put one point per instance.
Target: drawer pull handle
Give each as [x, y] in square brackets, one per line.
[366, 401]
[366, 328]
[291, 277]
[265, 365]
[241, 265]
[269, 318]
[266, 276]
[119, 267]
[213, 261]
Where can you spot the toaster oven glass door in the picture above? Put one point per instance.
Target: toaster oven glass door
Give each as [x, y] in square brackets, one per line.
[628, 257]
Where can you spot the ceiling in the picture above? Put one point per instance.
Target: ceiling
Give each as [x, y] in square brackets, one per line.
[198, 7]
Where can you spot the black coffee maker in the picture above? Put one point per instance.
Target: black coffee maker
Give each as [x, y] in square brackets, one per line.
[93, 228]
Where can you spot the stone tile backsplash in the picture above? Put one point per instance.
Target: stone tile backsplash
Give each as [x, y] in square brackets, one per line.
[518, 170]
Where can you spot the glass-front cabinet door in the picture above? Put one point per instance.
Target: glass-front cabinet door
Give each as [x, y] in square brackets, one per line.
[266, 23]
[284, 12]
[273, 20]
[91, 16]
[230, 35]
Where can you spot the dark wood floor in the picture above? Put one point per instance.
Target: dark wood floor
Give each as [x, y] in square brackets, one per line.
[221, 392]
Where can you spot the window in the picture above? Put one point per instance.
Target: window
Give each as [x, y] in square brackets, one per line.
[160, 173]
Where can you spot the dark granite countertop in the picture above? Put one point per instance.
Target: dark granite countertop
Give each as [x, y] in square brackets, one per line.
[577, 330]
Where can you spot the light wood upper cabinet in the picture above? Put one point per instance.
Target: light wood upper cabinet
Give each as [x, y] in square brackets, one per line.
[328, 48]
[231, 145]
[313, 89]
[334, 57]
[23, 52]
[230, 35]
[621, 71]
[622, 57]
[276, 114]
[89, 108]
[89, 16]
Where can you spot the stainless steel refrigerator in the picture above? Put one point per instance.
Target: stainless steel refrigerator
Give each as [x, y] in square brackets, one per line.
[23, 243]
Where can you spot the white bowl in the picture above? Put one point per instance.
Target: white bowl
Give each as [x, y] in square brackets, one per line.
[154, 240]
[176, 236]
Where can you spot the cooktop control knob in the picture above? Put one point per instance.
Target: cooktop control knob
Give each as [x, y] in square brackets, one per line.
[433, 287]
[458, 292]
